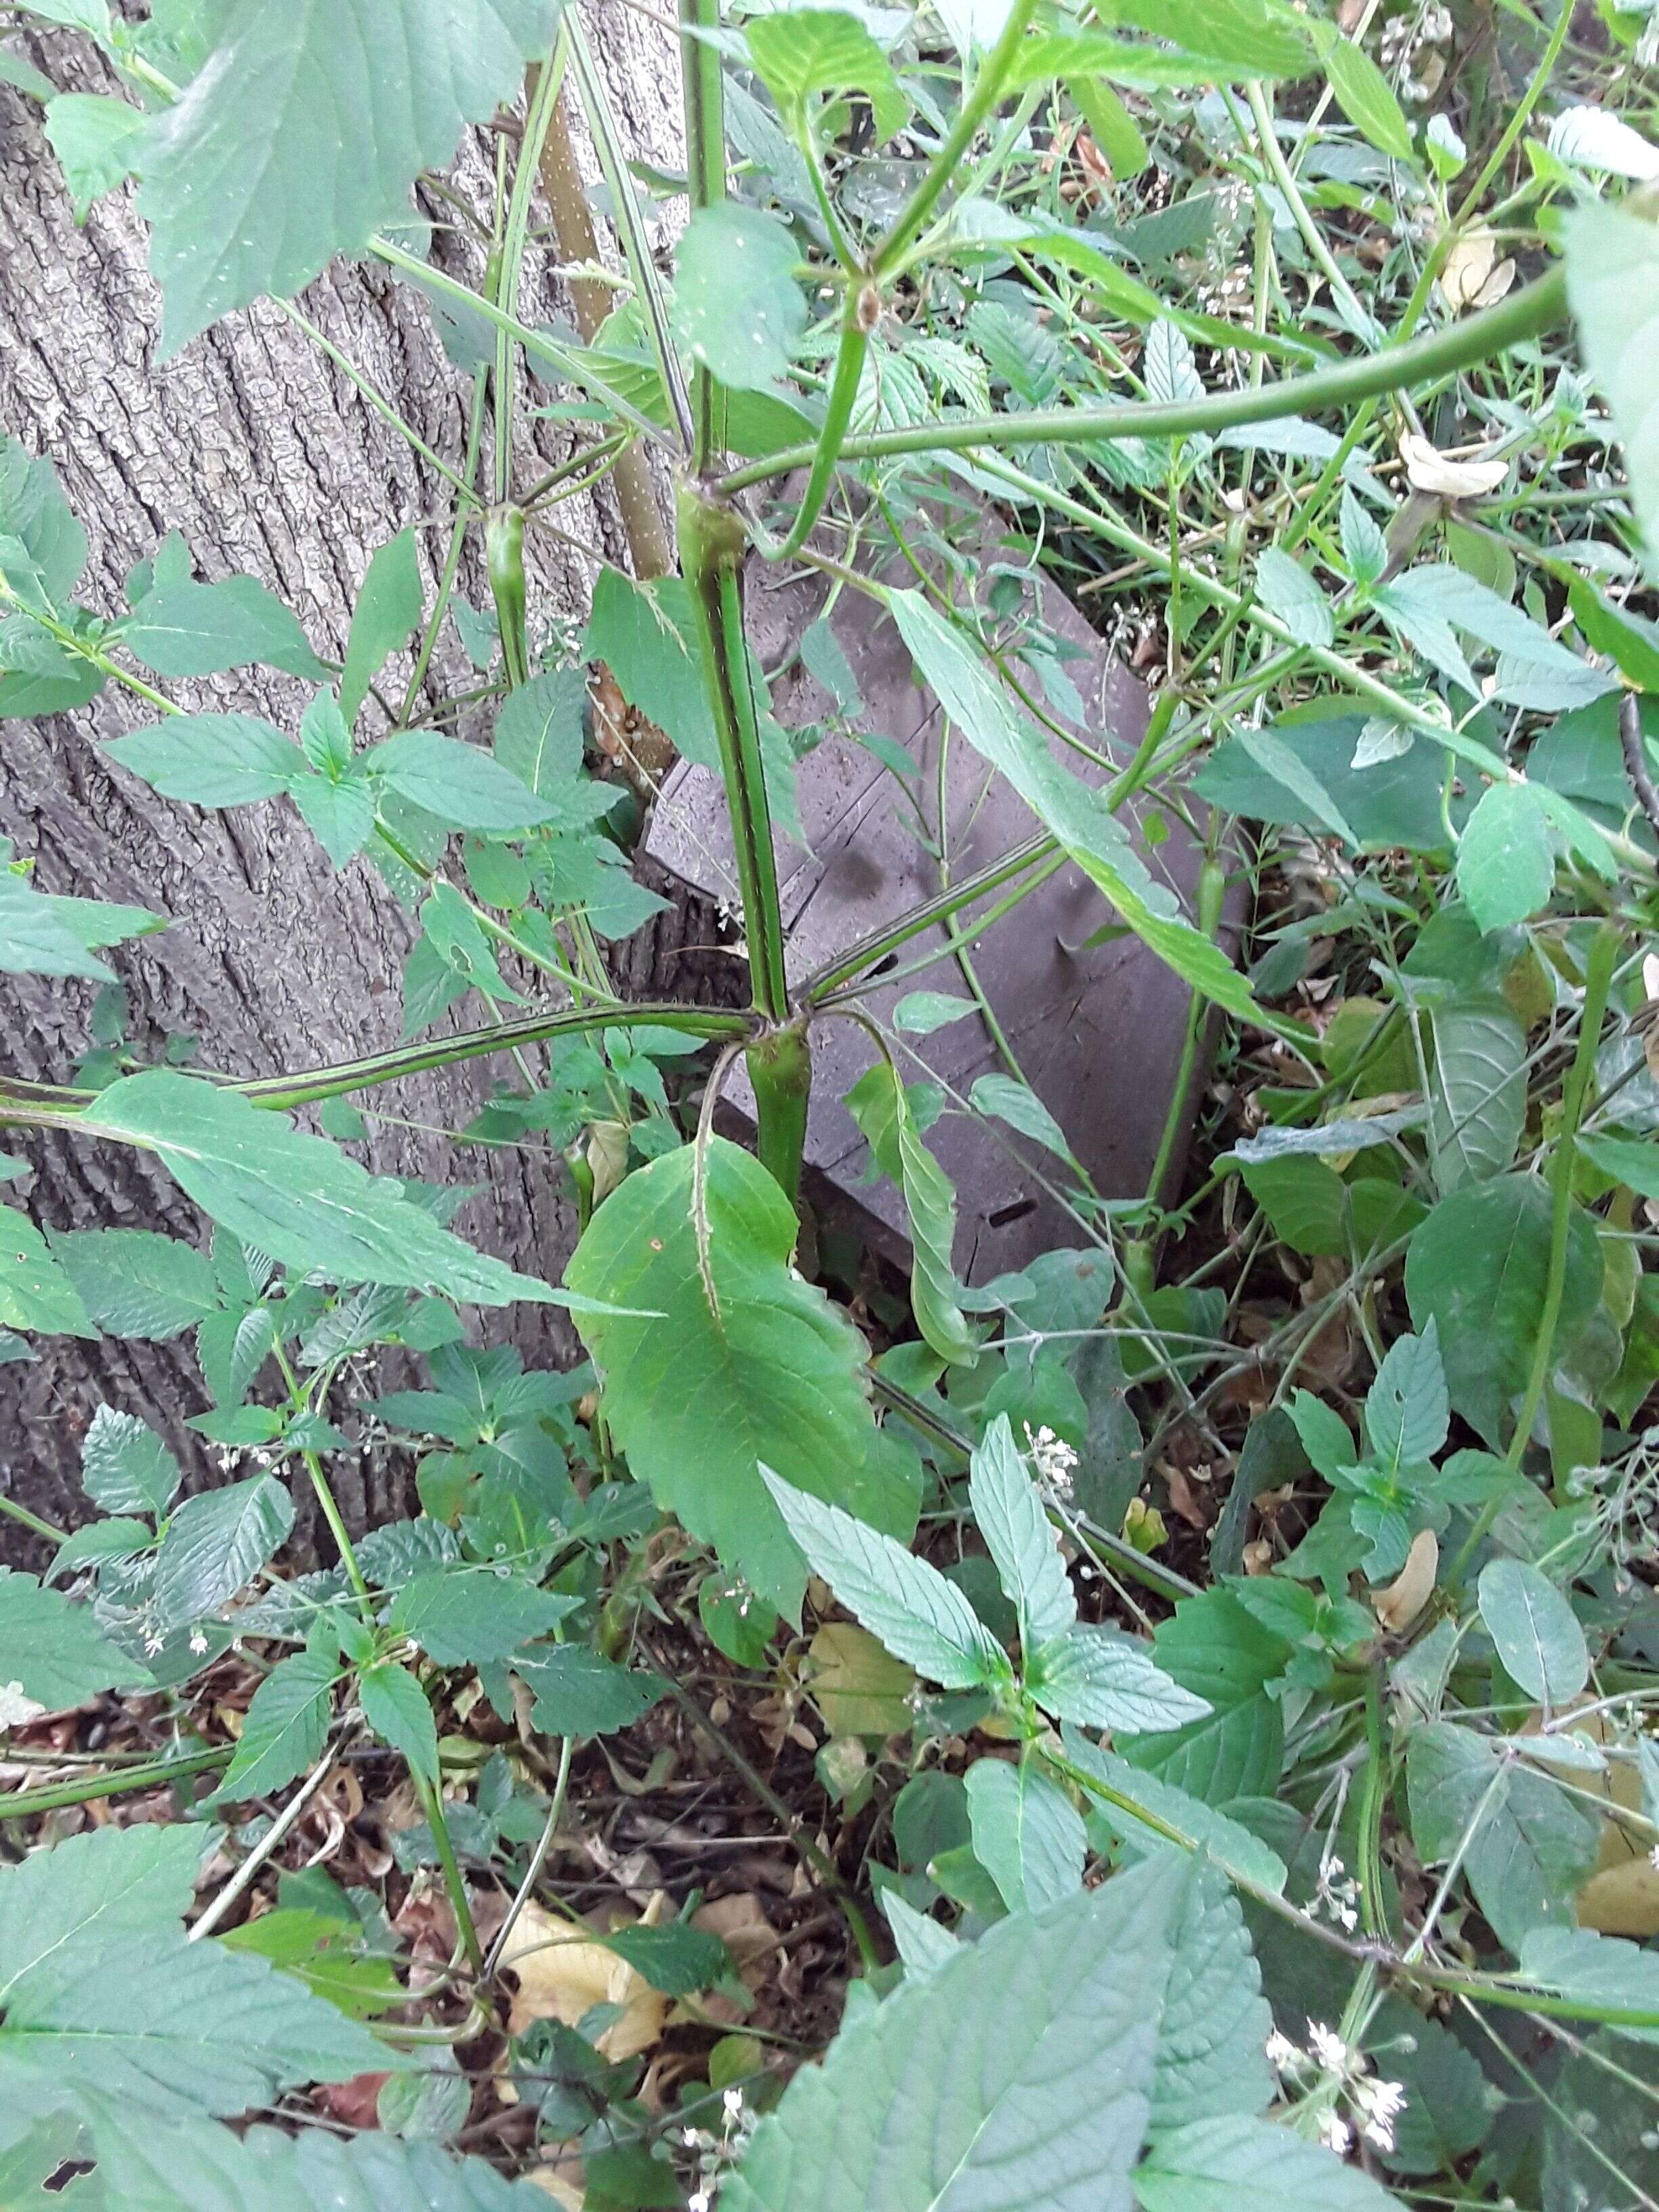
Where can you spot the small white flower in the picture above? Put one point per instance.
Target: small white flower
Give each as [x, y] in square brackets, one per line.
[1335, 2134]
[732, 2101]
[198, 1642]
[1282, 2054]
[1328, 2048]
[1052, 1462]
[1379, 2104]
[699, 2201]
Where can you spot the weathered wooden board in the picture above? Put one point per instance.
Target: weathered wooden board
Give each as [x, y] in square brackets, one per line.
[1097, 1029]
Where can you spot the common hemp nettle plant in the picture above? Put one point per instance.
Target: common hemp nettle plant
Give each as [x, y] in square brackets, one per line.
[1169, 1724]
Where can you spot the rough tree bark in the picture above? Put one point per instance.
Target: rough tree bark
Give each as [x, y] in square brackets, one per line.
[270, 462]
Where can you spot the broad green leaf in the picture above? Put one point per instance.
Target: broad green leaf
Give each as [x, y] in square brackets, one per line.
[1075, 813]
[1366, 96]
[1220, 2166]
[1602, 1971]
[53, 1650]
[580, 1692]
[456, 782]
[212, 760]
[1009, 1513]
[25, 77]
[1286, 589]
[677, 1959]
[1478, 1265]
[1104, 1678]
[1407, 1413]
[918, 1614]
[388, 607]
[1279, 760]
[297, 1198]
[465, 1616]
[187, 629]
[318, 1951]
[1213, 1648]
[738, 308]
[34, 512]
[1536, 1630]
[216, 1543]
[104, 1997]
[202, 2167]
[1134, 1795]
[1017, 2074]
[1212, 2058]
[397, 1708]
[254, 192]
[800, 52]
[749, 1364]
[643, 634]
[40, 935]
[1630, 1160]
[339, 815]
[538, 731]
[922, 1944]
[1529, 1846]
[1018, 1105]
[1117, 134]
[126, 1468]
[286, 1727]
[918, 1013]
[1478, 1095]
[35, 1291]
[930, 1200]
[1028, 1835]
[1506, 856]
[1306, 1202]
[96, 138]
[1613, 281]
[1249, 37]
[136, 1283]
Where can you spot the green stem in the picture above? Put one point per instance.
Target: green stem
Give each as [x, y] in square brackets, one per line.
[1372, 1796]
[870, 952]
[32, 1521]
[858, 314]
[1212, 890]
[432, 1805]
[542, 101]
[711, 544]
[988, 90]
[1525, 315]
[381, 406]
[1364, 326]
[779, 1064]
[24, 1804]
[625, 214]
[504, 561]
[704, 91]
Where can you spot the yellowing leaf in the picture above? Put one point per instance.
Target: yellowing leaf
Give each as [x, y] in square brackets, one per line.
[562, 1974]
[857, 1686]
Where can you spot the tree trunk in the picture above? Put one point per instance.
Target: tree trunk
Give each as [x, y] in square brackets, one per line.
[271, 464]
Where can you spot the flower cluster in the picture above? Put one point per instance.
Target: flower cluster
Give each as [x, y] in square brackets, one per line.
[1328, 2066]
[1052, 1462]
[1338, 1894]
[717, 2152]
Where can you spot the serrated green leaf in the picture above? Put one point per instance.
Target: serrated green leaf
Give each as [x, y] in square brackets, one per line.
[35, 511]
[738, 307]
[1613, 281]
[1366, 96]
[930, 1201]
[580, 1693]
[339, 816]
[1213, 1648]
[1253, 38]
[1016, 2074]
[185, 629]
[1212, 2057]
[803, 51]
[1305, 1200]
[215, 1544]
[202, 2167]
[1605, 1973]
[1026, 1550]
[676, 1960]
[456, 782]
[1028, 1835]
[136, 1283]
[643, 633]
[35, 1290]
[1536, 1630]
[297, 1198]
[1506, 856]
[1407, 1412]
[250, 195]
[749, 1364]
[104, 1998]
[467, 1616]
[40, 935]
[1217, 2166]
[126, 1468]
[388, 608]
[54, 1650]
[398, 1709]
[1104, 1679]
[286, 1727]
[1286, 589]
[212, 760]
[96, 139]
[318, 1952]
[921, 1616]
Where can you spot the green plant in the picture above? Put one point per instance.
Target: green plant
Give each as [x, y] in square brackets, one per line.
[1439, 1669]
